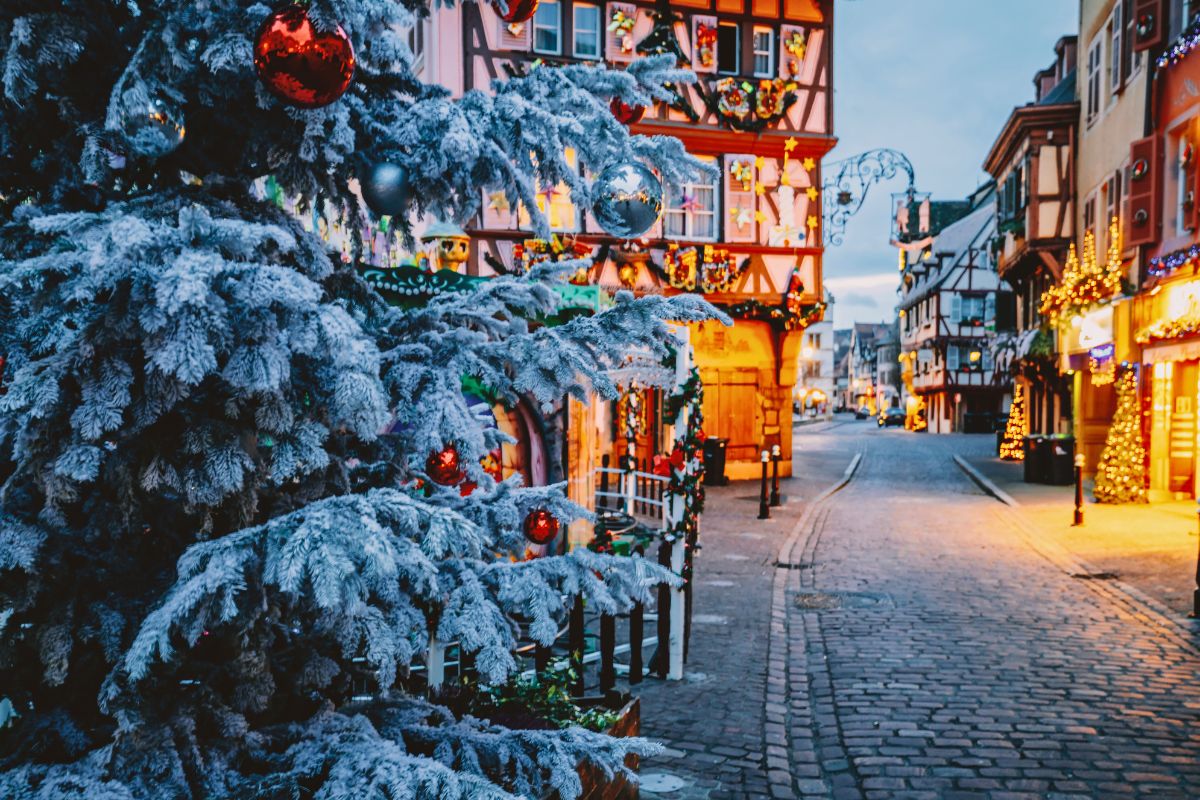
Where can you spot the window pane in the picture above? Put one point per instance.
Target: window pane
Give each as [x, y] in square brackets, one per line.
[728, 48]
[546, 28]
[703, 225]
[673, 223]
[587, 31]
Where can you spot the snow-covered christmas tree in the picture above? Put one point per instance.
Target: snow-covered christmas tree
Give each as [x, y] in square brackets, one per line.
[223, 540]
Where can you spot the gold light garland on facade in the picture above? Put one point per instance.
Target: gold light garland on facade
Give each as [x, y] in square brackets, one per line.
[1086, 283]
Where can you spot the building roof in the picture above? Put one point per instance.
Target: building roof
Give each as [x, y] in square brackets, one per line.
[954, 243]
[1064, 92]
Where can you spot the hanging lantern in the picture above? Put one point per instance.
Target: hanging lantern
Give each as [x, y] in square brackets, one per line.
[444, 467]
[541, 527]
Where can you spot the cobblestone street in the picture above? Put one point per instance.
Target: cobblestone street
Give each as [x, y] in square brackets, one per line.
[938, 655]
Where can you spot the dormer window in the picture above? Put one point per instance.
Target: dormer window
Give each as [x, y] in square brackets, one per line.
[547, 28]
[729, 48]
[764, 52]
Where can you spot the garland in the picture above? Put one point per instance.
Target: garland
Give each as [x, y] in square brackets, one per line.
[791, 315]
[532, 252]
[1179, 50]
[713, 269]
[749, 107]
[687, 464]
[1169, 329]
[1164, 265]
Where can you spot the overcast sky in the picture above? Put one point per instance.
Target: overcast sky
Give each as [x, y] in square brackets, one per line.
[934, 79]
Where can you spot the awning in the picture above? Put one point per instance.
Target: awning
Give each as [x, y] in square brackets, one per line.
[1188, 350]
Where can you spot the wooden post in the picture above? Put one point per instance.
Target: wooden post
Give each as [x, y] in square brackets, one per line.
[435, 665]
[608, 643]
[636, 634]
[675, 649]
[661, 658]
[541, 658]
[603, 502]
[575, 642]
[628, 480]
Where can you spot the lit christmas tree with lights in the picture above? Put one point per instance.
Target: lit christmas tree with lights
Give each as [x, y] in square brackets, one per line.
[1120, 476]
[1012, 446]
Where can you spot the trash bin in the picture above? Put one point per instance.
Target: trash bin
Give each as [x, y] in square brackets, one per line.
[714, 461]
[977, 422]
[1060, 455]
[1035, 459]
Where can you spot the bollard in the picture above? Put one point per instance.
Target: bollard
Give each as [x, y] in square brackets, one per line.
[636, 632]
[1078, 489]
[775, 459]
[764, 510]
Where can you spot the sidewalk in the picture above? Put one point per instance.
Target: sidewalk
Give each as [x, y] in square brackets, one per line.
[1151, 547]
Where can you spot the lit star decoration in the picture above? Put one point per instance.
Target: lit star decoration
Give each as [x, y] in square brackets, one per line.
[759, 189]
[812, 221]
[741, 216]
[498, 202]
[812, 192]
[790, 145]
[760, 216]
[759, 162]
[810, 164]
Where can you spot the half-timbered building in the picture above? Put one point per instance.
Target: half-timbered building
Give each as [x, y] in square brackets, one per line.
[1033, 164]
[951, 304]
[749, 239]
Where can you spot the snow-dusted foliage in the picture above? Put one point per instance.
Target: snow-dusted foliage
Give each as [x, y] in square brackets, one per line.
[215, 525]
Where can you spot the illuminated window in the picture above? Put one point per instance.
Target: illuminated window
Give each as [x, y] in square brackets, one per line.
[547, 28]
[764, 52]
[587, 30]
[692, 211]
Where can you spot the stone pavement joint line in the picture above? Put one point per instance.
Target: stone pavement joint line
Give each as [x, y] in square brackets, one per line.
[792, 764]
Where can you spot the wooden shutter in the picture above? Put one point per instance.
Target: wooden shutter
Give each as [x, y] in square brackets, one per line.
[956, 308]
[708, 53]
[952, 357]
[1149, 24]
[738, 195]
[614, 49]
[989, 309]
[1145, 200]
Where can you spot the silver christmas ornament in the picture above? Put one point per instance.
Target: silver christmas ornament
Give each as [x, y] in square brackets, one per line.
[152, 128]
[385, 188]
[627, 200]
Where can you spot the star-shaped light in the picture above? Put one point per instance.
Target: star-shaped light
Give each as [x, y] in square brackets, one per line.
[498, 202]
[759, 162]
[759, 189]
[812, 221]
[812, 192]
[760, 216]
[809, 163]
[790, 144]
[741, 216]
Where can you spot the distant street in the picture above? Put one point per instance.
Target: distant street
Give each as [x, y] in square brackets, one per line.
[921, 646]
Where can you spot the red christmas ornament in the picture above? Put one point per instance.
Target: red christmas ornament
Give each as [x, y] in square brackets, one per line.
[444, 467]
[625, 113]
[541, 527]
[518, 11]
[300, 65]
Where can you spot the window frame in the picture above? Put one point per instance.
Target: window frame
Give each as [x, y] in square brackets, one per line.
[689, 217]
[1094, 75]
[772, 67]
[598, 32]
[1114, 30]
[535, 26]
[737, 52]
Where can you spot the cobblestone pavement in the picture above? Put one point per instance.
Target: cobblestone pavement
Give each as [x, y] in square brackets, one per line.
[713, 722]
[934, 653]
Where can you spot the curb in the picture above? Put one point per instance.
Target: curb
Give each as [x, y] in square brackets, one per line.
[985, 483]
[1143, 607]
